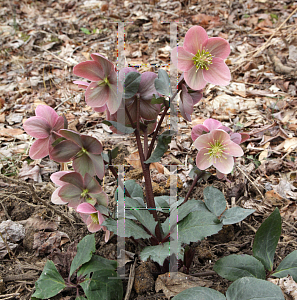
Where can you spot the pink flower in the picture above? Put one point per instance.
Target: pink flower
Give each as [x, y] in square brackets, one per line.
[44, 127]
[104, 90]
[212, 124]
[202, 59]
[187, 101]
[217, 149]
[93, 218]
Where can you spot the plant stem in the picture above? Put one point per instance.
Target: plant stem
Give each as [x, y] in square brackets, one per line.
[115, 174]
[159, 124]
[145, 143]
[193, 185]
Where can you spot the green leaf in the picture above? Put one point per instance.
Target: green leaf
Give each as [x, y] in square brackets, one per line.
[235, 215]
[131, 229]
[234, 266]
[131, 84]
[288, 266]
[266, 239]
[101, 286]
[158, 253]
[119, 126]
[81, 298]
[85, 249]
[159, 100]
[214, 200]
[163, 140]
[162, 83]
[97, 263]
[134, 189]
[195, 171]
[249, 288]
[191, 206]
[85, 30]
[141, 214]
[197, 225]
[50, 282]
[114, 152]
[199, 293]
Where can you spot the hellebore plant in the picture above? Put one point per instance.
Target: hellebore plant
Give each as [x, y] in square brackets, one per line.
[141, 98]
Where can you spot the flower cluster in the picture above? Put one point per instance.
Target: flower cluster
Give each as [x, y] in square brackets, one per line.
[78, 187]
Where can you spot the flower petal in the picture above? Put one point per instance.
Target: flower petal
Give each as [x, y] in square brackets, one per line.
[39, 149]
[59, 124]
[71, 194]
[107, 235]
[72, 136]
[86, 208]
[220, 135]
[218, 47]
[203, 141]
[182, 59]
[198, 130]
[233, 149]
[101, 198]
[224, 164]
[37, 127]
[106, 65]
[91, 144]
[97, 95]
[194, 78]
[73, 178]
[64, 151]
[82, 84]
[187, 101]
[101, 108]
[92, 185]
[149, 111]
[98, 164]
[55, 197]
[196, 96]
[93, 227]
[235, 137]
[55, 177]
[147, 85]
[195, 37]
[123, 72]
[212, 124]
[83, 164]
[218, 73]
[90, 70]
[47, 113]
[114, 98]
[203, 159]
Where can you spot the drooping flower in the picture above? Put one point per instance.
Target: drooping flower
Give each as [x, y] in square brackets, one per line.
[84, 150]
[104, 91]
[44, 127]
[145, 93]
[93, 218]
[187, 101]
[202, 59]
[216, 148]
[80, 189]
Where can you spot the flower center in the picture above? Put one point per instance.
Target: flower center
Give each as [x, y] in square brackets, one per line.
[202, 59]
[94, 217]
[84, 193]
[216, 150]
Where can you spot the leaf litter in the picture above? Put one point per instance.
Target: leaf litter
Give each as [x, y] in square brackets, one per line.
[42, 41]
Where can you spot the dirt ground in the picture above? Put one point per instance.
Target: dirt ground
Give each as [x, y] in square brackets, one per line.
[40, 43]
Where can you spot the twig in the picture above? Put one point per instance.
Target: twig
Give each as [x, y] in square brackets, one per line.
[55, 56]
[251, 182]
[201, 274]
[193, 185]
[249, 226]
[26, 276]
[8, 296]
[131, 280]
[35, 196]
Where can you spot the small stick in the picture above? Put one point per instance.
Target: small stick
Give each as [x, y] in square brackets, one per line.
[193, 185]
[251, 182]
[131, 280]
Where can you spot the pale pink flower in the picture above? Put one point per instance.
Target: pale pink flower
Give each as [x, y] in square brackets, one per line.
[202, 59]
[217, 149]
[44, 127]
[93, 218]
[104, 89]
[56, 179]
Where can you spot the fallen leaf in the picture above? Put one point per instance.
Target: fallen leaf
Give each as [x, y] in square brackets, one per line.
[174, 283]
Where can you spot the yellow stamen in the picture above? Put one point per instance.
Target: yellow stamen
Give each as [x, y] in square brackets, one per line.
[202, 59]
